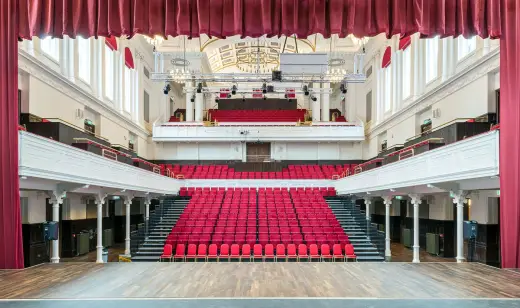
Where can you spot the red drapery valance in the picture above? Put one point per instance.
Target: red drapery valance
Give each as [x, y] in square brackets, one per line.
[405, 42]
[129, 59]
[387, 57]
[259, 17]
[111, 42]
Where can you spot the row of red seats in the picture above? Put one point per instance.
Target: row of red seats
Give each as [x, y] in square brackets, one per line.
[294, 115]
[291, 172]
[190, 191]
[224, 254]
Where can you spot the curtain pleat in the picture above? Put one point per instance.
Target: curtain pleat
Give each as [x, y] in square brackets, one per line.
[11, 248]
[253, 18]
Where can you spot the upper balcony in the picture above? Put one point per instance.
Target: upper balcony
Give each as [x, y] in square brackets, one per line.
[258, 131]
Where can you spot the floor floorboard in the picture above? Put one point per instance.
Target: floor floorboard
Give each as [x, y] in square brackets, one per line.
[251, 280]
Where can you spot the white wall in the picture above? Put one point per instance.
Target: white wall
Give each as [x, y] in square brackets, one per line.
[316, 150]
[199, 151]
[36, 207]
[441, 207]
[52, 90]
[484, 206]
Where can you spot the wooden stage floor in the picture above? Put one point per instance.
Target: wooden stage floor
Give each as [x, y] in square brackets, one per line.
[254, 280]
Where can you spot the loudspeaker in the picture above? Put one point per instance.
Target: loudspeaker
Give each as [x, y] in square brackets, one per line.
[470, 229]
[50, 231]
[37, 254]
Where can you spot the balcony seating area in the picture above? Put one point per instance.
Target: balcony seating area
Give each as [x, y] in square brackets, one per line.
[243, 217]
[174, 119]
[224, 172]
[257, 115]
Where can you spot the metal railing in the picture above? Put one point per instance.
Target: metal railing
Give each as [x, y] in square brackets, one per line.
[139, 237]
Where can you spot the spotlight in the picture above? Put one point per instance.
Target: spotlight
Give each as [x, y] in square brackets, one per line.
[343, 88]
[167, 89]
[285, 95]
[289, 100]
[243, 98]
[265, 97]
[192, 99]
[306, 90]
[216, 100]
[199, 88]
[313, 98]
[233, 90]
[228, 95]
[264, 88]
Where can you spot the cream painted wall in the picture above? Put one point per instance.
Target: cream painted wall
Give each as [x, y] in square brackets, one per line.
[441, 207]
[36, 207]
[484, 207]
[198, 151]
[46, 102]
[316, 150]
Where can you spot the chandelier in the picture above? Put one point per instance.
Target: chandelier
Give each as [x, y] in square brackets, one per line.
[181, 75]
[336, 74]
[155, 41]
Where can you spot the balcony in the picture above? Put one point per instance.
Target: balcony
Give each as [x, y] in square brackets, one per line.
[472, 163]
[49, 160]
[259, 131]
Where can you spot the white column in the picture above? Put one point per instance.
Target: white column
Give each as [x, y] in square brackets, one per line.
[416, 200]
[419, 66]
[100, 200]
[448, 58]
[315, 103]
[189, 103]
[325, 103]
[199, 107]
[56, 199]
[368, 201]
[459, 198]
[388, 252]
[128, 203]
[147, 203]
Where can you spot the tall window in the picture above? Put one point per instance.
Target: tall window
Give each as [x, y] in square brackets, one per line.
[84, 59]
[51, 47]
[407, 72]
[146, 107]
[109, 73]
[388, 88]
[128, 89]
[432, 58]
[465, 47]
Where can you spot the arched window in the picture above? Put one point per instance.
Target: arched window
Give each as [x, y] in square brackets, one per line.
[465, 47]
[432, 59]
[84, 56]
[51, 47]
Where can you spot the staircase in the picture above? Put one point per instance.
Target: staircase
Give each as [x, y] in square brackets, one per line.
[369, 244]
[148, 246]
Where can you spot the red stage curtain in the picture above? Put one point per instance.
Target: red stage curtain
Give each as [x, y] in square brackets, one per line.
[405, 42]
[387, 57]
[223, 18]
[129, 59]
[509, 136]
[111, 42]
[11, 250]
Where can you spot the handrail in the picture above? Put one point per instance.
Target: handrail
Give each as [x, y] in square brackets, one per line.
[74, 126]
[104, 147]
[123, 147]
[431, 130]
[155, 168]
[429, 140]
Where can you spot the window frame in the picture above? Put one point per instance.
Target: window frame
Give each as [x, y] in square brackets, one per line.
[406, 77]
[55, 57]
[387, 92]
[81, 59]
[128, 100]
[462, 43]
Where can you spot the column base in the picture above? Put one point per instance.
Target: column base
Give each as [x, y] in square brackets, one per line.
[99, 261]
[55, 260]
[460, 259]
[416, 254]
[388, 258]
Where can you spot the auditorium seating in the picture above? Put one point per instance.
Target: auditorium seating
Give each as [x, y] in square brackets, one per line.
[273, 221]
[225, 172]
[257, 115]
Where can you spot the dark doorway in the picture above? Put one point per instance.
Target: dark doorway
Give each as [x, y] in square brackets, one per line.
[258, 151]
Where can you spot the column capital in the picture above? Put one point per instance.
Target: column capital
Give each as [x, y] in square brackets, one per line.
[128, 200]
[368, 200]
[100, 198]
[459, 197]
[56, 196]
[388, 200]
[148, 201]
[415, 198]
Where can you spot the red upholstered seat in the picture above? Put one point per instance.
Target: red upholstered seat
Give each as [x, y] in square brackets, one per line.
[257, 252]
[349, 252]
[337, 252]
[246, 253]
[235, 252]
[179, 253]
[192, 252]
[224, 253]
[280, 253]
[269, 252]
[212, 253]
[167, 253]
